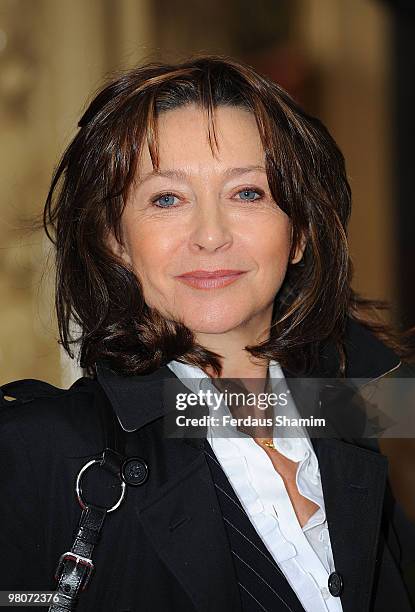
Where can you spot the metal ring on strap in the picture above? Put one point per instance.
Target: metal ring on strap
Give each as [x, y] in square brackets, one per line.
[78, 487]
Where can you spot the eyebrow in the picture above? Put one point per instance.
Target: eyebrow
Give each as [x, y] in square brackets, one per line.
[183, 175]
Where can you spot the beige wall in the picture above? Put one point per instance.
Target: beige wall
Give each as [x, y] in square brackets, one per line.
[348, 43]
[54, 54]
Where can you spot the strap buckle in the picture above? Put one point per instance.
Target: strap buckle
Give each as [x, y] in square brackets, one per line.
[78, 560]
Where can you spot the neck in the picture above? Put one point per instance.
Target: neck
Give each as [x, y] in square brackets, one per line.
[241, 365]
[236, 361]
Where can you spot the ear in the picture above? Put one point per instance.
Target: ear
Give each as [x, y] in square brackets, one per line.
[298, 255]
[117, 249]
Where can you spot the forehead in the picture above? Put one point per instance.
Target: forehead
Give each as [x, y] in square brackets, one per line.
[184, 143]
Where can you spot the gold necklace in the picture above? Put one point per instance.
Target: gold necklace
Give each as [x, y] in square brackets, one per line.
[269, 444]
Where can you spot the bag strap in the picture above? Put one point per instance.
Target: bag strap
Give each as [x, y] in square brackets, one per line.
[75, 566]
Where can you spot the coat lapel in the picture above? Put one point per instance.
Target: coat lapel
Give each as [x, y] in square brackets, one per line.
[180, 515]
[353, 477]
[183, 521]
[353, 481]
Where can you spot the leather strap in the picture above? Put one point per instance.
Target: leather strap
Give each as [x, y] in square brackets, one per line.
[75, 566]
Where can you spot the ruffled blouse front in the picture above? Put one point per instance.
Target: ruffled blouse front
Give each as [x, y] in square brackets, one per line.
[304, 554]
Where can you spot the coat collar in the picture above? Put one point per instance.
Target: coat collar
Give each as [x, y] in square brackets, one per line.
[367, 358]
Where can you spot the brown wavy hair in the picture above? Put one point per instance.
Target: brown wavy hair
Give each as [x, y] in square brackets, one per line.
[90, 186]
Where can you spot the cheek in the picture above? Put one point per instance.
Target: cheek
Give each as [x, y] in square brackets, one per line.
[149, 249]
[273, 244]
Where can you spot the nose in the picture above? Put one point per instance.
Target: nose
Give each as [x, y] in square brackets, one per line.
[210, 228]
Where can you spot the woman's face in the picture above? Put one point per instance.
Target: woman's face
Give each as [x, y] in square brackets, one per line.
[206, 212]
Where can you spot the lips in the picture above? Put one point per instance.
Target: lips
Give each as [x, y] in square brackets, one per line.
[211, 274]
[203, 279]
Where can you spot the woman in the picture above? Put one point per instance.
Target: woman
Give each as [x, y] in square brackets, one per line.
[199, 218]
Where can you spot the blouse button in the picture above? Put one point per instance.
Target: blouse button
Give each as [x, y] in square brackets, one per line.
[325, 592]
[204, 384]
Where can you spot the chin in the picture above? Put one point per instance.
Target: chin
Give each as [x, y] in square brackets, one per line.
[212, 325]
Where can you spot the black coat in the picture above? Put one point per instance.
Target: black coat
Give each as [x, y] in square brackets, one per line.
[165, 549]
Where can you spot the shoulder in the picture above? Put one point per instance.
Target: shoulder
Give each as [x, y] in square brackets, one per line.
[35, 412]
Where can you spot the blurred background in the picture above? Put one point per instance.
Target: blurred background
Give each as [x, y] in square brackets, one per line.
[350, 62]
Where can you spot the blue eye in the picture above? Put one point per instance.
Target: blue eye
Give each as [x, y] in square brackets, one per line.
[165, 201]
[249, 195]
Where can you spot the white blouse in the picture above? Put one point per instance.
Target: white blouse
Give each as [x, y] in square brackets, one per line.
[303, 554]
